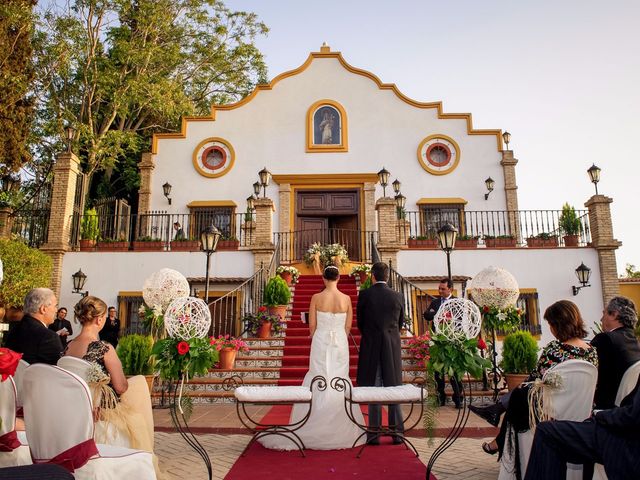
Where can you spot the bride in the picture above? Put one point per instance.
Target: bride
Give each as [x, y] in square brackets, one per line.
[328, 427]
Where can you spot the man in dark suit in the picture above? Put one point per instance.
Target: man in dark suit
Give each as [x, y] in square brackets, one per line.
[610, 437]
[380, 314]
[62, 327]
[111, 330]
[30, 336]
[444, 293]
[617, 347]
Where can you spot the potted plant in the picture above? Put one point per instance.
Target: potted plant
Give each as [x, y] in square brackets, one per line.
[277, 296]
[134, 351]
[361, 270]
[519, 357]
[422, 242]
[228, 242]
[185, 245]
[228, 348]
[466, 241]
[542, 240]
[148, 244]
[89, 230]
[500, 241]
[261, 323]
[113, 245]
[419, 347]
[570, 225]
[289, 274]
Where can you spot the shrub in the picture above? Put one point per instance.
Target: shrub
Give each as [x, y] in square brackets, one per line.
[89, 229]
[24, 269]
[569, 222]
[276, 292]
[134, 352]
[519, 353]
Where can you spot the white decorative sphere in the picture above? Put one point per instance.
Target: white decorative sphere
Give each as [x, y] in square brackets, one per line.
[494, 287]
[458, 317]
[163, 286]
[187, 317]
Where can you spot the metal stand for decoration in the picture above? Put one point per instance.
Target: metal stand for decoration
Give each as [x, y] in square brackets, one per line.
[180, 422]
[455, 432]
[497, 375]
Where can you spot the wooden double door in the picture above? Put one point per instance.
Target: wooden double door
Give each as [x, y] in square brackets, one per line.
[328, 216]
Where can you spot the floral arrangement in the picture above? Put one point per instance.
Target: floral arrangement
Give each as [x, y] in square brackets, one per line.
[295, 273]
[253, 321]
[153, 319]
[189, 358]
[506, 319]
[456, 357]
[363, 267]
[227, 341]
[419, 347]
[333, 254]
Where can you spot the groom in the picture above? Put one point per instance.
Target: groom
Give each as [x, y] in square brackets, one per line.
[380, 314]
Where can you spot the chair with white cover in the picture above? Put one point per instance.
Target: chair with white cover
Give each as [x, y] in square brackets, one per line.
[627, 384]
[17, 378]
[75, 365]
[64, 436]
[572, 400]
[13, 451]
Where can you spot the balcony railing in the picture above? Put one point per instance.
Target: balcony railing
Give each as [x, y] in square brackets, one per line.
[32, 226]
[293, 245]
[518, 224]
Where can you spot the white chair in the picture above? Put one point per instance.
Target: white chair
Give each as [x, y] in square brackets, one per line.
[9, 438]
[627, 384]
[17, 378]
[572, 401]
[75, 365]
[69, 429]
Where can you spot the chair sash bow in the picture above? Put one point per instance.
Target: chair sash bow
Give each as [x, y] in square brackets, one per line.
[75, 457]
[9, 441]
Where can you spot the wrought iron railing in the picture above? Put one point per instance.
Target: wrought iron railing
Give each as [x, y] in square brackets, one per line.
[293, 245]
[521, 225]
[32, 226]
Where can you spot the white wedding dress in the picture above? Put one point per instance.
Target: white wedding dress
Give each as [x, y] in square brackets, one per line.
[328, 427]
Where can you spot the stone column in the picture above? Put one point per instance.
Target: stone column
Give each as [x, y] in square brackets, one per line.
[388, 244]
[369, 206]
[604, 243]
[284, 212]
[146, 167]
[65, 177]
[6, 222]
[509, 163]
[263, 246]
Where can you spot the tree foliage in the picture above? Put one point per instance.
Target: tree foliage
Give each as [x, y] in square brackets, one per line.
[631, 272]
[24, 268]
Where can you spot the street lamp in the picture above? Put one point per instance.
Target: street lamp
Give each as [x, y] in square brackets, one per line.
[489, 182]
[396, 186]
[250, 203]
[70, 133]
[594, 175]
[506, 136]
[383, 177]
[166, 189]
[265, 177]
[401, 200]
[583, 273]
[209, 239]
[79, 279]
[447, 235]
[256, 189]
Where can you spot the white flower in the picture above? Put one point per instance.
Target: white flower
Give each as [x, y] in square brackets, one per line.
[157, 310]
[502, 316]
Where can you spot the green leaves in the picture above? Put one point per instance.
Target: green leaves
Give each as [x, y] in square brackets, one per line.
[24, 269]
[198, 358]
[134, 352]
[519, 353]
[456, 357]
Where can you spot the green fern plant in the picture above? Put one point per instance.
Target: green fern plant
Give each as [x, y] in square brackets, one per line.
[519, 353]
[89, 229]
[134, 352]
[276, 292]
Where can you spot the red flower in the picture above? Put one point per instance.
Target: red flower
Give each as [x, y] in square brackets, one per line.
[262, 309]
[485, 309]
[481, 344]
[8, 362]
[183, 348]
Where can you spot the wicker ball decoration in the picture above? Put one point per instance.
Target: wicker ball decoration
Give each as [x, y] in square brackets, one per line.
[494, 287]
[458, 317]
[187, 317]
[161, 287]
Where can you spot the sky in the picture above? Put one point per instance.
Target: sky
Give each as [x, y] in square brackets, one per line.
[563, 77]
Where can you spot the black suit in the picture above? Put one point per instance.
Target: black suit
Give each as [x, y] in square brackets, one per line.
[380, 313]
[59, 325]
[456, 385]
[36, 342]
[110, 332]
[617, 351]
[610, 437]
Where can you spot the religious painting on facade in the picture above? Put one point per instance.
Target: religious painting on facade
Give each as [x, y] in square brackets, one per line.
[326, 126]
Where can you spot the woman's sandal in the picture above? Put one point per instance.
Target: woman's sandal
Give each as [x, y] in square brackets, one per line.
[486, 446]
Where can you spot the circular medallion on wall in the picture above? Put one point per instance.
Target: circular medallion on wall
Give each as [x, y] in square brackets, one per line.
[213, 157]
[438, 154]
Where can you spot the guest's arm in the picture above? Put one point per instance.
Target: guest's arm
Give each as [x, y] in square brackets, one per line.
[69, 328]
[114, 367]
[606, 387]
[360, 308]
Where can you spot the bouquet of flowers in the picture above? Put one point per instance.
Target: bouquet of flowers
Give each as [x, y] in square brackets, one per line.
[253, 321]
[152, 318]
[506, 319]
[293, 271]
[313, 256]
[229, 342]
[335, 254]
[419, 347]
[362, 267]
[188, 358]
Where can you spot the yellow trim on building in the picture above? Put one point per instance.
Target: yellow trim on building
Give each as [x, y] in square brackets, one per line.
[196, 163]
[343, 146]
[130, 293]
[330, 180]
[212, 203]
[441, 200]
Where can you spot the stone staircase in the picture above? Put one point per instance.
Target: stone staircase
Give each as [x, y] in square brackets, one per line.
[284, 359]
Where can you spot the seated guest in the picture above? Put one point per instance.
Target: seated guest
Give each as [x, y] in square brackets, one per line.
[567, 326]
[62, 326]
[618, 349]
[122, 403]
[610, 438]
[31, 335]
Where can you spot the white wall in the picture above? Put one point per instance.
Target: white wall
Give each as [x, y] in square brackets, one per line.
[550, 271]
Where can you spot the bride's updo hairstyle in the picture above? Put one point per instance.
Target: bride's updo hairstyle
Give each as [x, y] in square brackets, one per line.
[331, 273]
[88, 309]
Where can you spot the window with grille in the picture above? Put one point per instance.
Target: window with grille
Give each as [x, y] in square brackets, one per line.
[530, 322]
[222, 218]
[433, 216]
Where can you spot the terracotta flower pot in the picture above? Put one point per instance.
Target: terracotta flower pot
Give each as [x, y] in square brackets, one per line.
[515, 379]
[570, 240]
[265, 330]
[286, 276]
[228, 358]
[87, 245]
[280, 310]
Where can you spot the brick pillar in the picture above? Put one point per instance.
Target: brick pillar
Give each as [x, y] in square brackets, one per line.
[146, 167]
[387, 229]
[65, 177]
[604, 243]
[369, 206]
[6, 222]
[263, 246]
[284, 218]
[511, 191]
